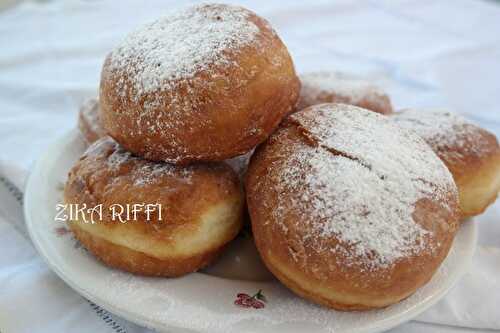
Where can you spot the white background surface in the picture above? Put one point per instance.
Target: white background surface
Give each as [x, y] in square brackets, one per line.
[425, 53]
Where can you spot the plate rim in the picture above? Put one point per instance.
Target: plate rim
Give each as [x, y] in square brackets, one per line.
[69, 136]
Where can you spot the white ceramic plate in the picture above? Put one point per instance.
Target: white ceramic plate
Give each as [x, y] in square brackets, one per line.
[200, 302]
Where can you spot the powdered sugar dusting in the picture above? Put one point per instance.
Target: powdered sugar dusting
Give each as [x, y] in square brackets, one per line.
[358, 177]
[442, 130]
[318, 87]
[142, 172]
[188, 304]
[182, 44]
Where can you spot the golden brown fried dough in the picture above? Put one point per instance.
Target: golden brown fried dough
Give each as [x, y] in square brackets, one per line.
[348, 210]
[204, 84]
[471, 153]
[336, 87]
[200, 210]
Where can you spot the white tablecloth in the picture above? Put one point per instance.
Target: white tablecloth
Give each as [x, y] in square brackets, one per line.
[425, 53]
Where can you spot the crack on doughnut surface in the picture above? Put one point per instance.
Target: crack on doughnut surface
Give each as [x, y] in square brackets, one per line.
[351, 175]
[313, 141]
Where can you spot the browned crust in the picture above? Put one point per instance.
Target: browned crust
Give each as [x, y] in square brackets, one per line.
[136, 262]
[233, 108]
[461, 158]
[375, 101]
[303, 290]
[473, 160]
[479, 184]
[154, 247]
[88, 121]
[318, 276]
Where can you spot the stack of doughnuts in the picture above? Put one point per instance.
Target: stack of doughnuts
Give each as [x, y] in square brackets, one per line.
[351, 205]
[177, 98]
